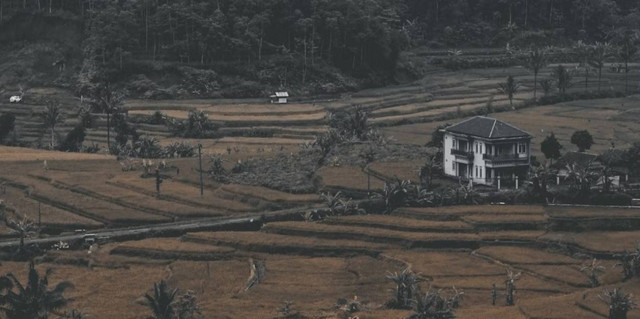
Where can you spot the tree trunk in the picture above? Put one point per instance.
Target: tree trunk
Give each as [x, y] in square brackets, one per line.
[586, 78]
[260, 48]
[50, 6]
[526, 13]
[108, 132]
[599, 77]
[626, 69]
[535, 84]
[52, 141]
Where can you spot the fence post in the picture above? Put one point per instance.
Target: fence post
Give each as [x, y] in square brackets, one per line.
[498, 182]
[557, 179]
[516, 181]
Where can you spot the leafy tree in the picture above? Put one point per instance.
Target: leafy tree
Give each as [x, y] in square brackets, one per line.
[161, 303]
[74, 139]
[7, 124]
[582, 139]
[600, 52]
[550, 147]
[33, 300]
[509, 88]
[563, 78]
[535, 62]
[431, 166]
[395, 194]
[52, 116]
[186, 307]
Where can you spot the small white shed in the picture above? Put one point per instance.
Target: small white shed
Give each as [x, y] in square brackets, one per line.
[280, 98]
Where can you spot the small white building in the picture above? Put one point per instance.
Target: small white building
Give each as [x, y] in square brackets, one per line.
[280, 98]
[482, 149]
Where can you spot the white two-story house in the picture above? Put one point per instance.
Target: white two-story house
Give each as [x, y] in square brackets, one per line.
[483, 148]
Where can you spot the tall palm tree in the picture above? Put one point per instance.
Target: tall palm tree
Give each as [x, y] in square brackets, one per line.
[52, 116]
[161, 303]
[33, 300]
[509, 88]
[535, 62]
[600, 52]
[619, 303]
[23, 227]
[108, 100]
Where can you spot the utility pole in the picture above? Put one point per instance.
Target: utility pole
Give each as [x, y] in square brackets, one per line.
[200, 170]
[158, 182]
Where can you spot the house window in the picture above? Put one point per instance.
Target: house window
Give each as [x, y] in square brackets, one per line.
[480, 171]
[522, 148]
[455, 143]
[453, 166]
[476, 171]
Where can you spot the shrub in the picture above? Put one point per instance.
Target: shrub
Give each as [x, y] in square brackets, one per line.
[74, 139]
[179, 149]
[147, 147]
[617, 199]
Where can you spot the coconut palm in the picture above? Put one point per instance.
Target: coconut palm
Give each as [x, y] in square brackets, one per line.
[23, 228]
[509, 88]
[630, 263]
[600, 52]
[535, 62]
[395, 194]
[52, 116]
[510, 283]
[619, 302]
[161, 302]
[33, 300]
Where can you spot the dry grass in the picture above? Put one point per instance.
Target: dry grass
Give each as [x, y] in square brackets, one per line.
[174, 245]
[587, 212]
[52, 216]
[348, 177]
[404, 170]
[185, 193]
[268, 194]
[512, 235]
[503, 218]
[610, 242]
[366, 233]
[275, 240]
[522, 255]
[14, 154]
[399, 223]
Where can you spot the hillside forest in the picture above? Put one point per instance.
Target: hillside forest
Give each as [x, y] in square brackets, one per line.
[243, 48]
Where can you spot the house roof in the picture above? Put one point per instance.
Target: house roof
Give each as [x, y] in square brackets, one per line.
[487, 127]
[282, 94]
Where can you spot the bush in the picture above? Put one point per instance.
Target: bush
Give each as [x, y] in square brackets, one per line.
[179, 149]
[74, 139]
[147, 147]
[614, 199]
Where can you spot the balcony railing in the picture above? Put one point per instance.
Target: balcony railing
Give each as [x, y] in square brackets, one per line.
[461, 153]
[504, 158]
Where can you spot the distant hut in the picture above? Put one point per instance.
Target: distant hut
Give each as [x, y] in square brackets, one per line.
[279, 98]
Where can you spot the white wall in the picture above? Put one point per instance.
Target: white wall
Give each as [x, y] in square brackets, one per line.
[447, 157]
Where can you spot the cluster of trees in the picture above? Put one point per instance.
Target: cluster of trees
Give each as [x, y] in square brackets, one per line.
[359, 37]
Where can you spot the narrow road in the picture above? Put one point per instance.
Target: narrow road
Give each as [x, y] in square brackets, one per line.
[171, 229]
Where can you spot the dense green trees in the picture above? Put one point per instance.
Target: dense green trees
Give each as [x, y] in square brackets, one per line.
[582, 139]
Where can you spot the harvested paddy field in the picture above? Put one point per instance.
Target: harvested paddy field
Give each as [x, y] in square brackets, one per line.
[349, 257]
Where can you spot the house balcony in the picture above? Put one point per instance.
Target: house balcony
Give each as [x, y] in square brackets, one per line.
[505, 159]
[462, 153]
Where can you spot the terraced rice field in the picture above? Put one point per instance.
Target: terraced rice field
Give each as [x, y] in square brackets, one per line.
[349, 257]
